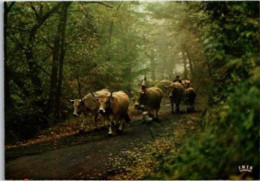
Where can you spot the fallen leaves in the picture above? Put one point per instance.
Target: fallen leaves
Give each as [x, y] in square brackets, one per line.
[142, 161]
[70, 127]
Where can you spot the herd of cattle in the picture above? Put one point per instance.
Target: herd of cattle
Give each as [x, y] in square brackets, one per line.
[114, 106]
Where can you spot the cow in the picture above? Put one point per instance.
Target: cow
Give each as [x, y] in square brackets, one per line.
[150, 100]
[88, 105]
[162, 84]
[114, 107]
[186, 83]
[177, 92]
[190, 96]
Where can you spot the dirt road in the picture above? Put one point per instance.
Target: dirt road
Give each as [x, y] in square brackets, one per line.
[85, 156]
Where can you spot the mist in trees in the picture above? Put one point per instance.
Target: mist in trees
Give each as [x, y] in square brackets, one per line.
[50, 47]
[56, 51]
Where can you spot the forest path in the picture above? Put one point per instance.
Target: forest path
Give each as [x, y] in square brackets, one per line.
[87, 155]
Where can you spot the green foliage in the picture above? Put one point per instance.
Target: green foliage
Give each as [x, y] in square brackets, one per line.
[100, 51]
[231, 53]
[230, 139]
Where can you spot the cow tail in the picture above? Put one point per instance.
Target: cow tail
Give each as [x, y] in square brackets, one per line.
[127, 118]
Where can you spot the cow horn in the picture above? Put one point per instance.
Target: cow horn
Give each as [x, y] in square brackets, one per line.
[93, 94]
[111, 95]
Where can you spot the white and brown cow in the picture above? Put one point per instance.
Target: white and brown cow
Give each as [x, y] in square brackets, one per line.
[115, 109]
[88, 105]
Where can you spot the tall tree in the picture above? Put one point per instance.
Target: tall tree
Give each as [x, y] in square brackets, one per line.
[58, 61]
[185, 73]
[33, 68]
[8, 102]
[190, 61]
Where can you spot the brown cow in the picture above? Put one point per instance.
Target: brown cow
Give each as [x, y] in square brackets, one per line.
[162, 85]
[176, 95]
[150, 100]
[88, 105]
[190, 96]
[186, 83]
[115, 109]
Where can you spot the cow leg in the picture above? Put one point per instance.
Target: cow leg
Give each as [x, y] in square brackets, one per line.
[110, 124]
[156, 114]
[177, 107]
[127, 118]
[95, 118]
[193, 108]
[146, 116]
[172, 104]
[119, 123]
[110, 132]
[82, 124]
[121, 126]
[150, 114]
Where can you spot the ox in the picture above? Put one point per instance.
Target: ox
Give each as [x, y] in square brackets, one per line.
[176, 95]
[114, 108]
[186, 83]
[88, 105]
[163, 84]
[190, 96]
[150, 100]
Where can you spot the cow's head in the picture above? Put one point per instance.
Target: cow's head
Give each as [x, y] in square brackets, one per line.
[104, 103]
[186, 83]
[77, 106]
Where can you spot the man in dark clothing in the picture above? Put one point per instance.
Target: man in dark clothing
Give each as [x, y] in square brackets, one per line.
[177, 79]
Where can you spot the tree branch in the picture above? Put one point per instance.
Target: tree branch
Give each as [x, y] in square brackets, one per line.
[8, 8]
[102, 4]
[35, 12]
[41, 21]
[47, 43]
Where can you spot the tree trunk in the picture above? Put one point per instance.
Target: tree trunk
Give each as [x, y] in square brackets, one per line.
[6, 73]
[152, 68]
[185, 65]
[62, 55]
[54, 73]
[111, 28]
[190, 61]
[57, 64]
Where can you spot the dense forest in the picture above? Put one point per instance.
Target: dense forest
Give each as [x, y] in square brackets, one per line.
[57, 51]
